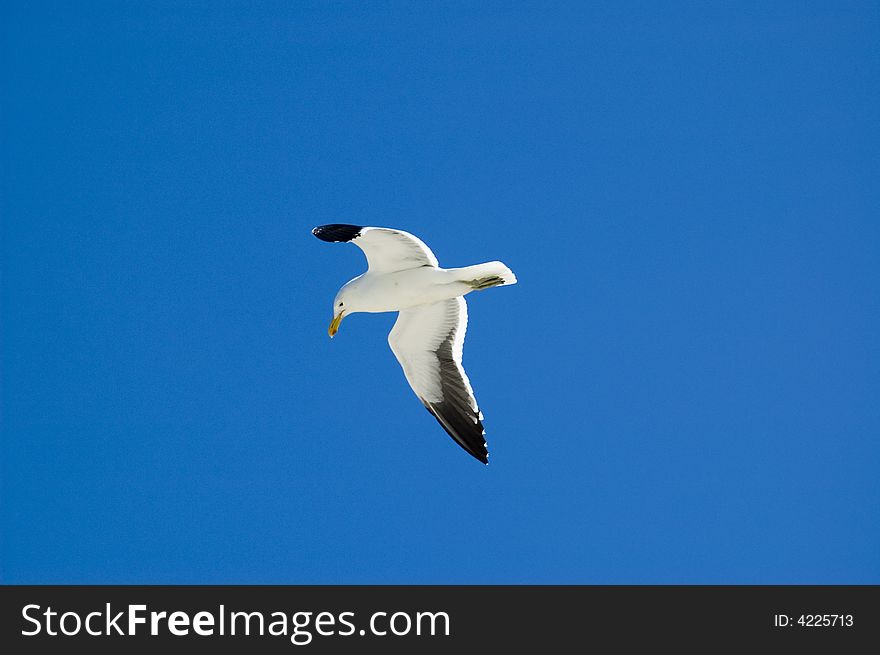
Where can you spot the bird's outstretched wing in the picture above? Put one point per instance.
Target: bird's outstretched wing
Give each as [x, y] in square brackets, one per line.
[427, 341]
[387, 250]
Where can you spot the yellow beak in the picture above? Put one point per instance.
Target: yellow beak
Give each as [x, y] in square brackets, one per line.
[334, 325]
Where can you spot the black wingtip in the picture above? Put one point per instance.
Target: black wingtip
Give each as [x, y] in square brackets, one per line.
[479, 455]
[470, 436]
[337, 232]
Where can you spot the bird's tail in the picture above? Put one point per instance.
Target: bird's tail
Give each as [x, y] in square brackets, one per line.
[486, 276]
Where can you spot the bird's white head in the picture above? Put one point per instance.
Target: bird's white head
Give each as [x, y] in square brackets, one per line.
[344, 304]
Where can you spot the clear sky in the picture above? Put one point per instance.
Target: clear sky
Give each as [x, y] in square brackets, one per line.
[684, 387]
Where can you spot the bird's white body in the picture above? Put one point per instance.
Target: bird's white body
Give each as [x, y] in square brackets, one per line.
[391, 292]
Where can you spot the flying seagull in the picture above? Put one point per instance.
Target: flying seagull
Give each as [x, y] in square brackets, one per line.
[403, 276]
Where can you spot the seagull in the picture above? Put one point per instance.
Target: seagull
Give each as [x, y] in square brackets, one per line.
[403, 276]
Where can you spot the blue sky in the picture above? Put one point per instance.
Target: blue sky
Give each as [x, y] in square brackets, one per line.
[682, 388]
